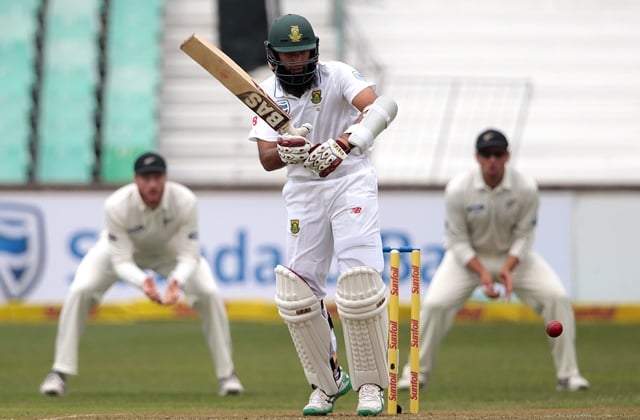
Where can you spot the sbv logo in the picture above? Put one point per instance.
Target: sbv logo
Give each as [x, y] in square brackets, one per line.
[22, 245]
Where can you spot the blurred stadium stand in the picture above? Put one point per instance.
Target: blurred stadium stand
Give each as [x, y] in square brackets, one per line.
[18, 27]
[130, 103]
[87, 84]
[573, 66]
[70, 77]
[562, 79]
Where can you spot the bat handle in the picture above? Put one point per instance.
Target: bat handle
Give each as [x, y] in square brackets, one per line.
[302, 131]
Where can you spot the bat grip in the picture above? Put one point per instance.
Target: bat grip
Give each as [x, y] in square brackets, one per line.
[302, 131]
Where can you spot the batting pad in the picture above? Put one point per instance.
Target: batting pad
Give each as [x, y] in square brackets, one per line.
[309, 329]
[361, 298]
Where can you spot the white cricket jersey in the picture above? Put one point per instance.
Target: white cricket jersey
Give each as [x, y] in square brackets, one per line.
[489, 221]
[326, 106]
[139, 236]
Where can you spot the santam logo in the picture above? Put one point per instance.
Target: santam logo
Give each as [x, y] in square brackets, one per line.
[22, 245]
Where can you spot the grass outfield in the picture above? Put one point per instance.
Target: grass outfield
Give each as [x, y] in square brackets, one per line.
[163, 370]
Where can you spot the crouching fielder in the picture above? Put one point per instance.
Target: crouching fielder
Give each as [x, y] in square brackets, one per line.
[332, 206]
[151, 224]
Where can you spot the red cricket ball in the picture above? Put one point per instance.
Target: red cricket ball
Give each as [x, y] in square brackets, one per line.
[554, 328]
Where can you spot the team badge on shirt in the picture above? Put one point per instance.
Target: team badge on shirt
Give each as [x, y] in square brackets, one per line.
[295, 226]
[316, 96]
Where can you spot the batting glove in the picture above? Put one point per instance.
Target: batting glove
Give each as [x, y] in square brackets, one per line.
[293, 149]
[324, 158]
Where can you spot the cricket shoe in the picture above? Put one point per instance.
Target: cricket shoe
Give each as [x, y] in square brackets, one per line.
[230, 386]
[404, 382]
[573, 383]
[54, 384]
[370, 400]
[321, 404]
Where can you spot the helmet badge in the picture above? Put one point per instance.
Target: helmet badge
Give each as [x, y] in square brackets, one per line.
[294, 34]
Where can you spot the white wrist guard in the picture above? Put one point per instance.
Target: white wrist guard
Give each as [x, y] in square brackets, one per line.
[377, 117]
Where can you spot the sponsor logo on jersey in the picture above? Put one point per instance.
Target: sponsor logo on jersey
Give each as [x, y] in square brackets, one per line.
[295, 226]
[475, 208]
[135, 229]
[316, 96]
[22, 248]
[358, 75]
[284, 105]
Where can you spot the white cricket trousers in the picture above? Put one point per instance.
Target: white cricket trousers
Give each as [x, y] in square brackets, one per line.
[534, 282]
[335, 216]
[95, 276]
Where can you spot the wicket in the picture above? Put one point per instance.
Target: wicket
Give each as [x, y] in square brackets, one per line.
[394, 320]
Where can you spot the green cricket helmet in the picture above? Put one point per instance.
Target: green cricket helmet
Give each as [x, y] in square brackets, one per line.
[292, 33]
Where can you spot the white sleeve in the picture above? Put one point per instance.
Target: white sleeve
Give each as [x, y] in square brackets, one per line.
[456, 229]
[352, 81]
[524, 231]
[121, 249]
[188, 245]
[260, 130]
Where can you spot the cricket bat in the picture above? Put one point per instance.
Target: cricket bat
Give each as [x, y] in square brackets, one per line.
[240, 83]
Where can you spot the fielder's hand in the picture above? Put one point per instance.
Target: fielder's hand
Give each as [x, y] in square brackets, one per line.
[293, 149]
[149, 289]
[507, 280]
[172, 294]
[487, 283]
[324, 158]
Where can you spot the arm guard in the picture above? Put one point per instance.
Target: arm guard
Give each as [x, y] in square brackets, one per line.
[377, 117]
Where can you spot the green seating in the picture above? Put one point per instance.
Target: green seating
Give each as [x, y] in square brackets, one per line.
[130, 95]
[17, 70]
[26, 5]
[132, 79]
[72, 99]
[15, 103]
[84, 28]
[18, 20]
[65, 159]
[117, 161]
[128, 10]
[66, 124]
[15, 159]
[73, 10]
[134, 53]
[18, 25]
[15, 155]
[69, 56]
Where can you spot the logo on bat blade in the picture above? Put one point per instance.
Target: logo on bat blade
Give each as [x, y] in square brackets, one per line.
[265, 110]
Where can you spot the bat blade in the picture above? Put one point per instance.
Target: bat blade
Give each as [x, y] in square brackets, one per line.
[240, 83]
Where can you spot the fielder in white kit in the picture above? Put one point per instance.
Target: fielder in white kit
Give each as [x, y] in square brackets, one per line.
[491, 214]
[151, 225]
[332, 208]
